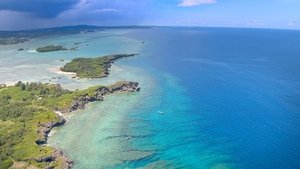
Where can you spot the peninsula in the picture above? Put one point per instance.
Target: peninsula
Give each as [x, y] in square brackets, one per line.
[92, 67]
[27, 115]
[28, 112]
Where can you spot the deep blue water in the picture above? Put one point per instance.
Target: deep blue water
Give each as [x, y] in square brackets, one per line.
[231, 97]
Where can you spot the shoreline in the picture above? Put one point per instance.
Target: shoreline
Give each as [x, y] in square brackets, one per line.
[57, 70]
[46, 130]
[61, 105]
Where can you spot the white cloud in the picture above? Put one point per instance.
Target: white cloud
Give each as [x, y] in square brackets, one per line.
[189, 3]
[105, 10]
[256, 23]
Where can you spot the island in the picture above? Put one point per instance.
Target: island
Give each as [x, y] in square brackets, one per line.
[50, 48]
[21, 49]
[92, 67]
[28, 112]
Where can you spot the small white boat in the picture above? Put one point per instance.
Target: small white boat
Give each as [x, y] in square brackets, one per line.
[161, 112]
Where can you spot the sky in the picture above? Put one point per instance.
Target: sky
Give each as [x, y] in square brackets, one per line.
[32, 14]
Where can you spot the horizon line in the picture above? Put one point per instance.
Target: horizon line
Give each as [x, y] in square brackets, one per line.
[174, 26]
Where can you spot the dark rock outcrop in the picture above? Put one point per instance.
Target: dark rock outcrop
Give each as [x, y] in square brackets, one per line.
[43, 131]
[45, 128]
[109, 60]
[57, 155]
[81, 102]
[66, 162]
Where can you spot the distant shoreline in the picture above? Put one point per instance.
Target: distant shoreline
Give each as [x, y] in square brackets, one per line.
[22, 36]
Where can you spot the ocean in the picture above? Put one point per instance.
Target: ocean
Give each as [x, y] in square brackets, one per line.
[211, 98]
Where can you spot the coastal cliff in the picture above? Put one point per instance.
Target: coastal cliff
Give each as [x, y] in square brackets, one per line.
[27, 115]
[98, 95]
[80, 102]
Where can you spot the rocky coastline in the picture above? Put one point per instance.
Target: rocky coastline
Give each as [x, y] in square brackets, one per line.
[78, 104]
[82, 101]
[109, 60]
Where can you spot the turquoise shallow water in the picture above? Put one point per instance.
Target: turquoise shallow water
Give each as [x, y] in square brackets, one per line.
[230, 98]
[28, 65]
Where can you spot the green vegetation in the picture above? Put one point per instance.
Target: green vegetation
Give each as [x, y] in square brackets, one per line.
[6, 163]
[92, 67]
[50, 48]
[23, 110]
[27, 113]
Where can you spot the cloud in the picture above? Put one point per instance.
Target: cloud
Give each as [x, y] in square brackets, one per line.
[40, 8]
[28, 14]
[293, 23]
[256, 23]
[104, 10]
[190, 3]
